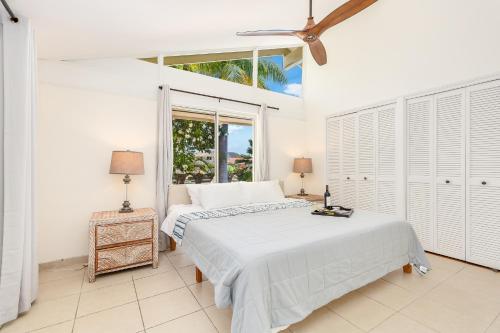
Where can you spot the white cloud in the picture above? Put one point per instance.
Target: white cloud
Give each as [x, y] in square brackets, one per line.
[234, 128]
[294, 89]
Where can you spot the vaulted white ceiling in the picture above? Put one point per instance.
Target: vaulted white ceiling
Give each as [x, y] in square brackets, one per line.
[83, 29]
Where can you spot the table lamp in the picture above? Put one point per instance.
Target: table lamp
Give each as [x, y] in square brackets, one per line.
[302, 165]
[126, 163]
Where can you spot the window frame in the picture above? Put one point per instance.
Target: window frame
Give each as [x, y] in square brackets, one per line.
[255, 55]
[221, 113]
[255, 73]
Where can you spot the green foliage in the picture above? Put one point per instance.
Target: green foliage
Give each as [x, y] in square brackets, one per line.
[192, 137]
[203, 167]
[232, 170]
[245, 172]
[239, 71]
[189, 137]
[269, 70]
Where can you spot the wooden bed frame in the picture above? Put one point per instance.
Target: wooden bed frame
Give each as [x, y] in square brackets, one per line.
[178, 194]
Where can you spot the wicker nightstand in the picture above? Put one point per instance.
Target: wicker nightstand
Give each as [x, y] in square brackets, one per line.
[122, 240]
[309, 197]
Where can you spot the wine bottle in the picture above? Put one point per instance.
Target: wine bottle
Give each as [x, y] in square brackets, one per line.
[327, 199]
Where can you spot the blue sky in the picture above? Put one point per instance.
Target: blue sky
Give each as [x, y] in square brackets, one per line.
[294, 76]
[238, 138]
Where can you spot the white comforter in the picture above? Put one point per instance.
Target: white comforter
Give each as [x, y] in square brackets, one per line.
[276, 267]
[173, 213]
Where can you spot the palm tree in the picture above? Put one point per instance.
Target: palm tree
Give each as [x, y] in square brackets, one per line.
[239, 71]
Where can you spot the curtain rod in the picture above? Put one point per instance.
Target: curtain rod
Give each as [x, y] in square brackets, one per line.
[13, 17]
[218, 97]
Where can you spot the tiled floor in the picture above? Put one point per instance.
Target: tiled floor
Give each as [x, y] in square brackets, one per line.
[454, 297]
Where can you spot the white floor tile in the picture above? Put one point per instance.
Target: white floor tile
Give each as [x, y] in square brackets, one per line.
[399, 323]
[59, 288]
[388, 294]
[443, 318]
[193, 323]
[65, 327]
[105, 298]
[360, 310]
[324, 321]
[121, 319]
[44, 314]
[204, 293]
[221, 318]
[157, 284]
[167, 306]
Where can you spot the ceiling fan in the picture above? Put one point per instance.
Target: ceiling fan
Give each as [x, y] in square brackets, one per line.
[311, 32]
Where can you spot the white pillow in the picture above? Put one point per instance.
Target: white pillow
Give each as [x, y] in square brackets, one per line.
[194, 193]
[214, 196]
[257, 192]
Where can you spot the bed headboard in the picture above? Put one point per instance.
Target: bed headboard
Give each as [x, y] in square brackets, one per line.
[178, 194]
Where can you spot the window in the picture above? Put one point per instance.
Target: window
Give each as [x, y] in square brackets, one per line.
[196, 159]
[280, 70]
[235, 149]
[230, 66]
[194, 147]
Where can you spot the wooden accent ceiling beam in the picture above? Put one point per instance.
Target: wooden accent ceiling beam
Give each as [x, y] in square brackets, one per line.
[293, 58]
[211, 57]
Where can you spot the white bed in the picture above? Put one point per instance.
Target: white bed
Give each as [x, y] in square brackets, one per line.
[276, 267]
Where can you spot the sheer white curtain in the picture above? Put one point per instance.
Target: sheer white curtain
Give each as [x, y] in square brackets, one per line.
[261, 145]
[18, 262]
[165, 158]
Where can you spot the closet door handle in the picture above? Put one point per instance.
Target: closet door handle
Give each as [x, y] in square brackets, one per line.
[365, 178]
[348, 178]
[483, 182]
[447, 181]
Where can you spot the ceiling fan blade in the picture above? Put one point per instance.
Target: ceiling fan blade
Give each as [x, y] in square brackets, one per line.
[318, 51]
[275, 32]
[348, 9]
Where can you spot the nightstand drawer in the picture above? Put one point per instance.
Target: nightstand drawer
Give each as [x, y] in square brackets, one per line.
[112, 258]
[123, 232]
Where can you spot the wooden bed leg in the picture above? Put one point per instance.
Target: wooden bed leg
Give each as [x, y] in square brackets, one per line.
[407, 268]
[173, 244]
[199, 275]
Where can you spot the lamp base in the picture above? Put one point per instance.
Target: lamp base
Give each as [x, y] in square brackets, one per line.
[303, 193]
[126, 207]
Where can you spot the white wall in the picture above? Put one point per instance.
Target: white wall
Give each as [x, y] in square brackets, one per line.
[88, 109]
[394, 48]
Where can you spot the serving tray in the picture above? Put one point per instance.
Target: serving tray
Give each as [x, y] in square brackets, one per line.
[337, 211]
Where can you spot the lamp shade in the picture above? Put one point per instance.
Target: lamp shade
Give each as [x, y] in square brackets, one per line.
[127, 163]
[302, 165]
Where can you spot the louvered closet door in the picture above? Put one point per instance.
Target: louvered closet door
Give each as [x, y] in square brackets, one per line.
[450, 173]
[386, 159]
[483, 193]
[419, 116]
[333, 157]
[367, 195]
[349, 161]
